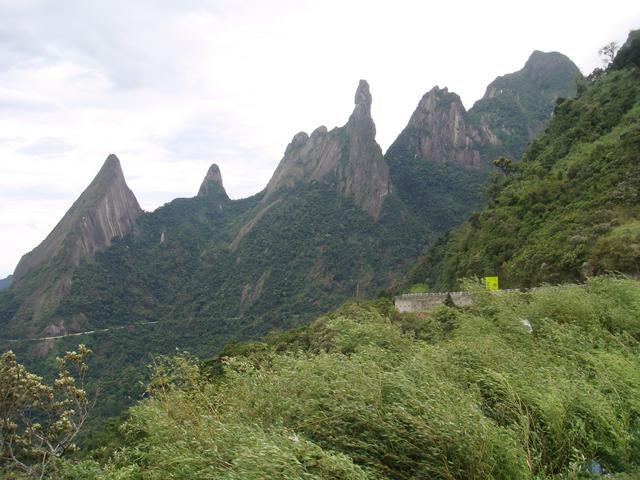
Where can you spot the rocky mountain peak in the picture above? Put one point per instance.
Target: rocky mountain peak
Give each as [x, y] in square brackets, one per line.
[360, 122]
[546, 63]
[363, 96]
[439, 131]
[107, 209]
[429, 99]
[348, 156]
[112, 162]
[434, 103]
[546, 74]
[110, 172]
[517, 106]
[212, 182]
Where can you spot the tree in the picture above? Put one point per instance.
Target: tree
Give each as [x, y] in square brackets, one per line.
[38, 422]
[608, 52]
[506, 165]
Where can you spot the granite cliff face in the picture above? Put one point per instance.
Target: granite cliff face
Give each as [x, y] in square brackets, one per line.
[443, 156]
[348, 156]
[438, 162]
[513, 111]
[440, 131]
[107, 209]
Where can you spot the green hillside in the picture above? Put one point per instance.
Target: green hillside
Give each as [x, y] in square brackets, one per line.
[441, 183]
[517, 106]
[308, 252]
[441, 160]
[569, 210]
[366, 393]
[199, 272]
[306, 255]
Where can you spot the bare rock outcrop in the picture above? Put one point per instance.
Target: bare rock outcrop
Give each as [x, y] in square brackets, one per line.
[212, 183]
[107, 209]
[348, 156]
[440, 131]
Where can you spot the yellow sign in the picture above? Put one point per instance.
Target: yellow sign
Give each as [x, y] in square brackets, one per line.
[491, 283]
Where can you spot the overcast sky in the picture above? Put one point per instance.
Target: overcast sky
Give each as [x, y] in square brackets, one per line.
[173, 86]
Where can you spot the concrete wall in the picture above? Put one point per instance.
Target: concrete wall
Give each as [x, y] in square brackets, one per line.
[425, 302]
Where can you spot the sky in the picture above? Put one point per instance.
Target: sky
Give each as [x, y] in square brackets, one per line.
[174, 86]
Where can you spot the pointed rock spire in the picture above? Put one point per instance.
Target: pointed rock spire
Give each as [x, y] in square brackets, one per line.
[212, 182]
[112, 163]
[360, 121]
[363, 100]
[107, 209]
[349, 156]
[110, 173]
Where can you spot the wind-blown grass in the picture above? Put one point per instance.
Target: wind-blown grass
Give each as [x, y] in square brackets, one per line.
[366, 393]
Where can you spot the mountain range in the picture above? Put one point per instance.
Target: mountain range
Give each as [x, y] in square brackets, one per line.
[442, 158]
[338, 219]
[568, 210]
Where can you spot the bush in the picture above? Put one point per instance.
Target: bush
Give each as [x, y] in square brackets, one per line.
[467, 393]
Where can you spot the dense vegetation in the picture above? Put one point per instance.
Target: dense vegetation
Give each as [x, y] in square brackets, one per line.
[367, 393]
[39, 422]
[569, 210]
[517, 106]
[442, 192]
[309, 253]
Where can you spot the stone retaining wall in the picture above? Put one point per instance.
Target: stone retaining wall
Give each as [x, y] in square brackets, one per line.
[425, 302]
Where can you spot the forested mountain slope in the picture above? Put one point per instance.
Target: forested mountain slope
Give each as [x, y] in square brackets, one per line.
[210, 269]
[334, 222]
[570, 209]
[105, 211]
[366, 393]
[516, 107]
[443, 156]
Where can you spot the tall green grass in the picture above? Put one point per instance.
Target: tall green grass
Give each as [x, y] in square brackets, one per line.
[366, 393]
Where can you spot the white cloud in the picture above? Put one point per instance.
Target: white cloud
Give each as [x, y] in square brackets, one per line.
[172, 87]
[47, 147]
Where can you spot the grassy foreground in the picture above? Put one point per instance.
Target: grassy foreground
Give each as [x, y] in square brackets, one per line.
[366, 393]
